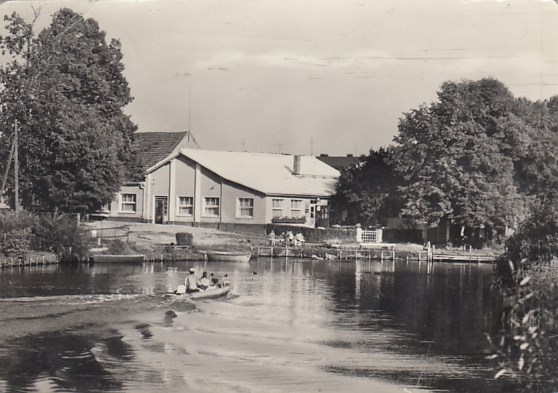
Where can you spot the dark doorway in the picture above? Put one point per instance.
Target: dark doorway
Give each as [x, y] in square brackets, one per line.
[322, 216]
[161, 210]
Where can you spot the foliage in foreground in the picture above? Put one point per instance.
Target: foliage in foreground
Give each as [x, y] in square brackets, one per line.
[58, 234]
[527, 348]
[15, 233]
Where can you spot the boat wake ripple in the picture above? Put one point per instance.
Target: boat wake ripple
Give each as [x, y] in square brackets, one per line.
[74, 299]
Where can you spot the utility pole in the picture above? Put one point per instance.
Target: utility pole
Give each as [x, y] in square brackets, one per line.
[16, 170]
[8, 167]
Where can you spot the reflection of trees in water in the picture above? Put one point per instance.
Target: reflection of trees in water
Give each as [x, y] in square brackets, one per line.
[453, 307]
[445, 315]
[66, 359]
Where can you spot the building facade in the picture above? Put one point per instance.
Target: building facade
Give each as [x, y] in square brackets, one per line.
[228, 189]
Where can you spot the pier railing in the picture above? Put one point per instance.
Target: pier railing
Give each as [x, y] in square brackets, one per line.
[368, 254]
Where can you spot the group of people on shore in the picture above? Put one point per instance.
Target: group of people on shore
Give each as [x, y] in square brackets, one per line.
[287, 238]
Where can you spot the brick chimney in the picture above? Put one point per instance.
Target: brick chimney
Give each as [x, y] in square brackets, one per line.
[296, 165]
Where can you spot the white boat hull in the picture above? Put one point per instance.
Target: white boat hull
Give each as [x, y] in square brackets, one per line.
[101, 258]
[225, 256]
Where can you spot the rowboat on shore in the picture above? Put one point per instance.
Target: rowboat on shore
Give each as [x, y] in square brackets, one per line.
[228, 256]
[110, 258]
[209, 293]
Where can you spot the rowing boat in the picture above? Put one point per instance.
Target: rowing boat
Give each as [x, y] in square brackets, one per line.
[210, 293]
[106, 258]
[228, 256]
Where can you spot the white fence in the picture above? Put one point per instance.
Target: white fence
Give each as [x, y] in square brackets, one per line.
[365, 236]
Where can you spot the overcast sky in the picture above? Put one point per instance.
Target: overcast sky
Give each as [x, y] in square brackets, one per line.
[314, 76]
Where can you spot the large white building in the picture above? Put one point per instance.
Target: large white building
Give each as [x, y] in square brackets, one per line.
[227, 189]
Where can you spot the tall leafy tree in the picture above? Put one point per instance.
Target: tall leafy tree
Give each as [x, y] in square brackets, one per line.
[531, 137]
[455, 160]
[65, 87]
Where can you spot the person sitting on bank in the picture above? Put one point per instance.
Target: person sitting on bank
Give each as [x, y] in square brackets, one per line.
[204, 282]
[191, 281]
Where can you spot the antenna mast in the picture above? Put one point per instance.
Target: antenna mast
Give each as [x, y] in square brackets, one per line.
[189, 105]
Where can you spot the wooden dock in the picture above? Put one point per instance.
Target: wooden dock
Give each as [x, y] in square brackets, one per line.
[469, 258]
[370, 254]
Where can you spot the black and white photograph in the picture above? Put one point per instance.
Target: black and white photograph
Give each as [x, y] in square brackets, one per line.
[278, 196]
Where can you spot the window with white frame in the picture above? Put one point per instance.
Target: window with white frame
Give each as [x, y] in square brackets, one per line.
[211, 206]
[277, 207]
[185, 206]
[128, 203]
[245, 207]
[296, 208]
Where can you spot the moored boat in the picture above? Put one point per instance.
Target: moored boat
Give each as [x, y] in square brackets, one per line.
[228, 256]
[110, 258]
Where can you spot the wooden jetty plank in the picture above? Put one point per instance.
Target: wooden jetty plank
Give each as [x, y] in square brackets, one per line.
[463, 258]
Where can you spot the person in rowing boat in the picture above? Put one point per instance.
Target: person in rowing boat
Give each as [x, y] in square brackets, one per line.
[191, 281]
[204, 282]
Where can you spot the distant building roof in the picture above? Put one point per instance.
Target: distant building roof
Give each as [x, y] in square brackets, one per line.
[152, 147]
[341, 162]
[270, 174]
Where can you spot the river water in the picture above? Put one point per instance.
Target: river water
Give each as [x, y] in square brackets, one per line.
[287, 326]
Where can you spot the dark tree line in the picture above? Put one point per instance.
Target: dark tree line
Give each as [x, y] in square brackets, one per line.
[478, 156]
[367, 193]
[65, 88]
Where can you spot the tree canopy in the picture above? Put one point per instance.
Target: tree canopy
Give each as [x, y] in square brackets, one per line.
[478, 155]
[366, 193]
[65, 87]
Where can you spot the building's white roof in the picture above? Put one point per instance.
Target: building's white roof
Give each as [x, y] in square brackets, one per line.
[271, 174]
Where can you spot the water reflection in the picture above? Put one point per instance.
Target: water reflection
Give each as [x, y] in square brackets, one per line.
[339, 322]
[69, 361]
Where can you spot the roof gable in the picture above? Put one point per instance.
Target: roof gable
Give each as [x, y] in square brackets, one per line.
[153, 147]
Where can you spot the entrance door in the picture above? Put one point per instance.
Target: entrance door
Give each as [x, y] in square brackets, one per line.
[161, 210]
[322, 216]
[311, 218]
